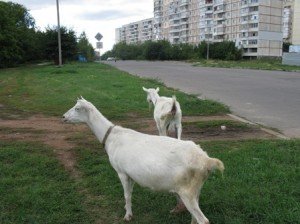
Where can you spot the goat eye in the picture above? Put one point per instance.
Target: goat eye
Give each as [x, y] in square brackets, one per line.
[77, 109]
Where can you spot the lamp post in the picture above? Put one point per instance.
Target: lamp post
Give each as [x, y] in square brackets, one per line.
[59, 37]
[207, 49]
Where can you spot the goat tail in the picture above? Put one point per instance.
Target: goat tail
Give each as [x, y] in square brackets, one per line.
[172, 112]
[214, 164]
[174, 108]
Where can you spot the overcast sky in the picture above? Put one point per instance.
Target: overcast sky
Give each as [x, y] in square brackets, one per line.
[91, 16]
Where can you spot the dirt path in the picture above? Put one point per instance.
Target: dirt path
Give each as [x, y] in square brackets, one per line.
[52, 132]
[63, 138]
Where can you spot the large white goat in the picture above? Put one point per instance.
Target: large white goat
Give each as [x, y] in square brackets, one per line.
[157, 162]
[167, 112]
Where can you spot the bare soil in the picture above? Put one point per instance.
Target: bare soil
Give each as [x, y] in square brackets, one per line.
[59, 136]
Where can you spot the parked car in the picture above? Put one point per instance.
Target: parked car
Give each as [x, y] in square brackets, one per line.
[111, 59]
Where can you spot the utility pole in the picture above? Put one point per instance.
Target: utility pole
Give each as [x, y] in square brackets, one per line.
[59, 37]
[207, 50]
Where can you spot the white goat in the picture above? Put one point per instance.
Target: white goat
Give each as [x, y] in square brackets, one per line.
[157, 162]
[167, 112]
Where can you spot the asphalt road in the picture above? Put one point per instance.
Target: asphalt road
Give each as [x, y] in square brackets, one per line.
[270, 98]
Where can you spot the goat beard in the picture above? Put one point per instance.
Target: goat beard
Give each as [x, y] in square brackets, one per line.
[150, 106]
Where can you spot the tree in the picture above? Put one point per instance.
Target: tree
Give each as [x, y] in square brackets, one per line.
[85, 48]
[17, 36]
[68, 44]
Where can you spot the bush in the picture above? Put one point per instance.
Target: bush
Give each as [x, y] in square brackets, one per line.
[163, 50]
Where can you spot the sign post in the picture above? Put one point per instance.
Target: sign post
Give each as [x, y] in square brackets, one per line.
[99, 45]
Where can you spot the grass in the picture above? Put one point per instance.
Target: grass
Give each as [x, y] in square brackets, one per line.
[218, 124]
[259, 186]
[34, 188]
[52, 91]
[263, 64]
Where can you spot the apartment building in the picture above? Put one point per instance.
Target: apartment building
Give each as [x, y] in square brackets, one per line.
[254, 25]
[177, 21]
[296, 24]
[136, 32]
[287, 20]
[291, 21]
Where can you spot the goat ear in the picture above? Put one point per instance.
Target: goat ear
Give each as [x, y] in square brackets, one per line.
[82, 98]
[157, 89]
[146, 90]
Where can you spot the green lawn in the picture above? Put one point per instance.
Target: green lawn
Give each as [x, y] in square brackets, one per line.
[260, 185]
[263, 64]
[35, 188]
[261, 178]
[52, 91]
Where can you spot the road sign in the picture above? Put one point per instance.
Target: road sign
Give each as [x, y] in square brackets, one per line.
[99, 45]
[98, 36]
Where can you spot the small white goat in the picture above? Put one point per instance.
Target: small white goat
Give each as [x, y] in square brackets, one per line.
[157, 162]
[167, 112]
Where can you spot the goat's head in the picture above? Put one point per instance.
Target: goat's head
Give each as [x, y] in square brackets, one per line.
[152, 94]
[78, 113]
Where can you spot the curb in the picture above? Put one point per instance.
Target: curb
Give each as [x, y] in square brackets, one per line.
[272, 132]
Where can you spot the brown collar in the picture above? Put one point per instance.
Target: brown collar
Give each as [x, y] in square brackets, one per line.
[107, 134]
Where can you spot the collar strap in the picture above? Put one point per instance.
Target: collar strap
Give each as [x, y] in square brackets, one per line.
[107, 134]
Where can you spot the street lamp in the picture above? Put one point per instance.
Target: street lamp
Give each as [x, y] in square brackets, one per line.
[207, 48]
[58, 34]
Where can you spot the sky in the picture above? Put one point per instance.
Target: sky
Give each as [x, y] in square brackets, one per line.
[91, 16]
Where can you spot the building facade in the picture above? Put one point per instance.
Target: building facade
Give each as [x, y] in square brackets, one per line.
[136, 32]
[254, 25]
[296, 24]
[287, 20]
[291, 22]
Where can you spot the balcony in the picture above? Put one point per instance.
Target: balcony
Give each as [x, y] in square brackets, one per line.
[174, 18]
[177, 30]
[219, 32]
[184, 10]
[173, 25]
[157, 9]
[184, 15]
[173, 12]
[184, 2]
[219, 2]
[175, 36]
[247, 3]
[219, 10]
[244, 12]
[209, 11]
[184, 22]
[184, 28]
[221, 39]
[218, 18]
[220, 25]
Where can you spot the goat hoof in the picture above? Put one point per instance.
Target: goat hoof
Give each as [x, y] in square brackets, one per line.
[180, 207]
[127, 218]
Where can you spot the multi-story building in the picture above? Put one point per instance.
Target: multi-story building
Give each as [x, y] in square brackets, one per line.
[177, 20]
[287, 20]
[261, 27]
[296, 24]
[254, 25]
[157, 21]
[136, 32]
[291, 21]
